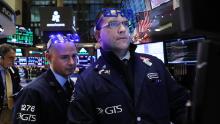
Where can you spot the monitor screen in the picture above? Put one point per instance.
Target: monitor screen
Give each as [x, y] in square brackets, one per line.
[183, 51]
[22, 36]
[84, 60]
[98, 53]
[18, 52]
[21, 61]
[56, 18]
[156, 3]
[156, 25]
[36, 61]
[156, 49]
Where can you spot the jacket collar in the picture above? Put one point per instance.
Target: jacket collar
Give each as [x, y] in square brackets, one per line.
[109, 67]
[111, 74]
[53, 82]
[140, 71]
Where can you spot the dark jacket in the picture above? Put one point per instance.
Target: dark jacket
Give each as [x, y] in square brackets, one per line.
[15, 84]
[43, 101]
[102, 94]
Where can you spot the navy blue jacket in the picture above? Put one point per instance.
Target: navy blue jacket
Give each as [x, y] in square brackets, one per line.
[101, 96]
[15, 84]
[43, 101]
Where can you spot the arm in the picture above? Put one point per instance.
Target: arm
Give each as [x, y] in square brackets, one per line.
[27, 107]
[81, 110]
[178, 97]
[14, 72]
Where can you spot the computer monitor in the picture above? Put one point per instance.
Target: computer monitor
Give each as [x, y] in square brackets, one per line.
[156, 49]
[18, 52]
[98, 53]
[21, 61]
[183, 51]
[156, 3]
[171, 19]
[23, 36]
[206, 92]
[36, 61]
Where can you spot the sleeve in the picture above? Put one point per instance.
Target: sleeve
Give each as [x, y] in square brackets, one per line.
[81, 110]
[14, 72]
[178, 96]
[27, 107]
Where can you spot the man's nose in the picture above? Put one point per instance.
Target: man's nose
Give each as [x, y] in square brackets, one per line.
[72, 60]
[122, 28]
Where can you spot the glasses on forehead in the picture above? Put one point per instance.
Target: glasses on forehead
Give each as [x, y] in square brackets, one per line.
[59, 38]
[116, 24]
[113, 12]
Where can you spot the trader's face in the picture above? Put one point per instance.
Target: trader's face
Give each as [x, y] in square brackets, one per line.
[63, 58]
[114, 33]
[8, 59]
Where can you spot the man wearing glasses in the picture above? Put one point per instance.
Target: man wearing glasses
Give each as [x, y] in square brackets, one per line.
[9, 82]
[137, 91]
[45, 99]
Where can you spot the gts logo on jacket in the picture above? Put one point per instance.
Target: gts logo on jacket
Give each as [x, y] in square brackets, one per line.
[109, 110]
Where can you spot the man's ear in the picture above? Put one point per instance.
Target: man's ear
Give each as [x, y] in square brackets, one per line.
[1, 60]
[48, 56]
[97, 36]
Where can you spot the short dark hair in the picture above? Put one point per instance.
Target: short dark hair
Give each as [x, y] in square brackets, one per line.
[5, 48]
[99, 20]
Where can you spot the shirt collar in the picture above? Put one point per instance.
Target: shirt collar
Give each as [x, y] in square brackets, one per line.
[61, 80]
[1, 68]
[127, 56]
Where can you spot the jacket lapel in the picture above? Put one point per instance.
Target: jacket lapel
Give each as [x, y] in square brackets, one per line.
[140, 71]
[1, 87]
[53, 83]
[111, 75]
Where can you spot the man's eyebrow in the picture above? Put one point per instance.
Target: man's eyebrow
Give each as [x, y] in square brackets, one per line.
[115, 20]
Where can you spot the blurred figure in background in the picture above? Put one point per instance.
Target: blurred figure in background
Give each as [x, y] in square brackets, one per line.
[9, 82]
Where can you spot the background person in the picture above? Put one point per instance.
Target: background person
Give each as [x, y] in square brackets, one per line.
[9, 82]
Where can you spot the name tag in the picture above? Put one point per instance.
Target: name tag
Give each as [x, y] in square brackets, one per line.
[153, 76]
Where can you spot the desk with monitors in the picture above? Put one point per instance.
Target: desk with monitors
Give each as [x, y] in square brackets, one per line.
[30, 61]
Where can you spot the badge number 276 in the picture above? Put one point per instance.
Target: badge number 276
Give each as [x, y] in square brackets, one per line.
[27, 108]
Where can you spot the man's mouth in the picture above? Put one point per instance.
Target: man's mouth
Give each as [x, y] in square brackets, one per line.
[122, 38]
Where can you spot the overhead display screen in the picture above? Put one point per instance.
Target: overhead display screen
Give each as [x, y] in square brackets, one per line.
[22, 36]
[56, 18]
